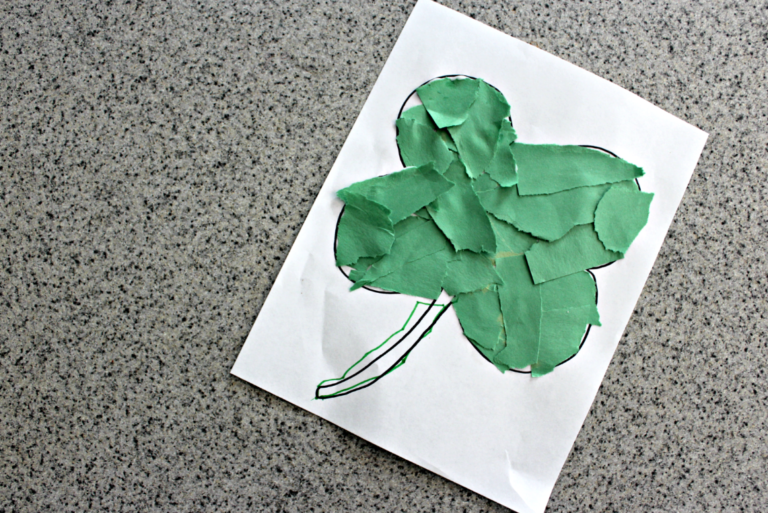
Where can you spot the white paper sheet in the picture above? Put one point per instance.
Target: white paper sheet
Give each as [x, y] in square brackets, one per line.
[505, 436]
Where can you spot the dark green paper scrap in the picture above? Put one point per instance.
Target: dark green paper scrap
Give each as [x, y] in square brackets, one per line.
[420, 144]
[416, 263]
[403, 192]
[469, 272]
[579, 249]
[506, 228]
[620, 216]
[460, 215]
[548, 168]
[476, 138]
[502, 168]
[365, 230]
[546, 216]
[449, 101]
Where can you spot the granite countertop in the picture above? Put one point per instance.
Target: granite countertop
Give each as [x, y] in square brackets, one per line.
[156, 162]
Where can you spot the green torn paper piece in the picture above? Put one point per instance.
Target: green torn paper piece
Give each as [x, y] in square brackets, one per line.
[365, 230]
[476, 138]
[361, 266]
[502, 167]
[480, 316]
[620, 216]
[546, 216]
[423, 213]
[420, 115]
[416, 263]
[548, 168]
[509, 240]
[568, 305]
[420, 278]
[460, 216]
[561, 335]
[578, 250]
[403, 192]
[419, 145]
[448, 101]
[521, 306]
[575, 290]
[356, 274]
[469, 272]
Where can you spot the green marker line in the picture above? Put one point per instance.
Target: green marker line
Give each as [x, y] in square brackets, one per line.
[399, 364]
[328, 396]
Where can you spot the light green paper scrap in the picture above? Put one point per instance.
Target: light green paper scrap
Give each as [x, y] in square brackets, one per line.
[460, 216]
[476, 138]
[448, 101]
[620, 216]
[548, 168]
[578, 250]
[469, 272]
[365, 230]
[420, 115]
[402, 192]
[575, 290]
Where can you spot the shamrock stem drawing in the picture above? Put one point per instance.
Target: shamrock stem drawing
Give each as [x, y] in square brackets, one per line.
[508, 229]
[400, 346]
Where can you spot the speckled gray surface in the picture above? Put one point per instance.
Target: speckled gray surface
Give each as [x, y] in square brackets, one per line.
[156, 163]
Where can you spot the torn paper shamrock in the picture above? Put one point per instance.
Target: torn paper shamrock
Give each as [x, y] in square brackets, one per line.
[508, 229]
